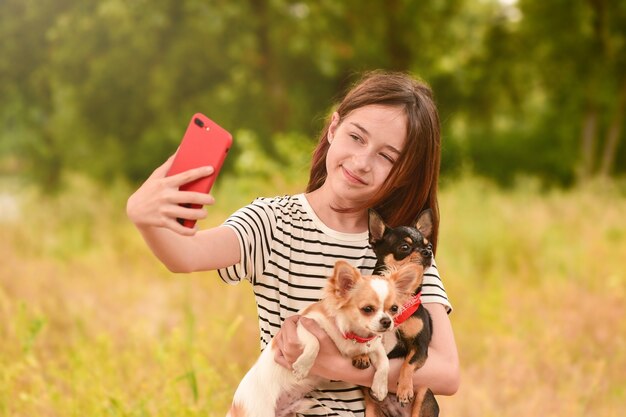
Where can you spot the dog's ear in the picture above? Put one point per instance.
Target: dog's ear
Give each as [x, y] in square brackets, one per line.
[376, 226]
[425, 223]
[345, 276]
[407, 278]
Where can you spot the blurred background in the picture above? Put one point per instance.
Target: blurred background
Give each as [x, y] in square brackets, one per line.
[96, 94]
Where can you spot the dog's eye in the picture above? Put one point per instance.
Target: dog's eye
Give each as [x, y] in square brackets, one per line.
[394, 309]
[405, 247]
[368, 309]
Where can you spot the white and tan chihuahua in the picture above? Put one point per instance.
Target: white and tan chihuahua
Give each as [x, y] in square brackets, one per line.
[355, 312]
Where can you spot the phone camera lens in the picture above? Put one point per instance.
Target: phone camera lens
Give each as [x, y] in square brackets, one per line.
[198, 122]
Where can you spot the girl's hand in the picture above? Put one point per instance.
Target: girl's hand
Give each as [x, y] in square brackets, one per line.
[287, 343]
[289, 347]
[329, 361]
[157, 202]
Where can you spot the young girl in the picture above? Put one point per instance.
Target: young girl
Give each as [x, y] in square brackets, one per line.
[380, 149]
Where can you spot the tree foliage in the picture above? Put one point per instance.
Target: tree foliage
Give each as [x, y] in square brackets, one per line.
[107, 87]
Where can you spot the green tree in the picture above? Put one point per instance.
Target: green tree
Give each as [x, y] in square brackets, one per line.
[107, 87]
[585, 68]
[549, 95]
[27, 111]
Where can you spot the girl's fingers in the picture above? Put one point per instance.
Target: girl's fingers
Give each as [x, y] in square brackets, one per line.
[289, 326]
[191, 175]
[292, 348]
[180, 229]
[287, 342]
[161, 171]
[159, 201]
[190, 213]
[313, 327]
[192, 197]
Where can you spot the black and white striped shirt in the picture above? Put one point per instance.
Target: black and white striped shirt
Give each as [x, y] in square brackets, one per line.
[287, 253]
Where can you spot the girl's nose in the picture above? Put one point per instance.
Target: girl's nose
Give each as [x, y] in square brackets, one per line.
[362, 161]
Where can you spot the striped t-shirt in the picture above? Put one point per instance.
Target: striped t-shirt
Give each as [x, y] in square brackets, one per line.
[287, 253]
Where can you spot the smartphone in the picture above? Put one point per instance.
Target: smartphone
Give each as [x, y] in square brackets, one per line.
[204, 143]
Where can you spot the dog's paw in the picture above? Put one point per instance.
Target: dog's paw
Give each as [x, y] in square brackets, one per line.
[379, 393]
[301, 368]
[405, 395]
[379, 387]
[299, 373]
[361, 361]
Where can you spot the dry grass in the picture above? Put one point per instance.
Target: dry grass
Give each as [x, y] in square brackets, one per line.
[91, 324]
[539, 289]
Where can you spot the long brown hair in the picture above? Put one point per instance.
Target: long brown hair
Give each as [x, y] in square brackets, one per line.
[412, 184]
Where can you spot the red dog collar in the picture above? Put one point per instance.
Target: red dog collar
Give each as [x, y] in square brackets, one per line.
[358, 339]
[408, 309]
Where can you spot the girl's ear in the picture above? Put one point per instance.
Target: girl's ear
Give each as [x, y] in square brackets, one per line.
[332, 128]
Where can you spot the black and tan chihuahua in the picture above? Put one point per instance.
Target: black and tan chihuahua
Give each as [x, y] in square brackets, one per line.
[395, 247]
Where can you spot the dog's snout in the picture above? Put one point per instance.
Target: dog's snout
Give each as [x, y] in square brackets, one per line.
[385, 322]
[427, 251]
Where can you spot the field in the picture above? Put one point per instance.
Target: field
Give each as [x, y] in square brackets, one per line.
[92, 325]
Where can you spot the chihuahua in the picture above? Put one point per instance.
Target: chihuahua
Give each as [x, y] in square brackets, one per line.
[395, 247]
[355, 312]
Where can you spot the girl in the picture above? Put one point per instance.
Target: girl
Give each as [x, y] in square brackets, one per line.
[381, 149]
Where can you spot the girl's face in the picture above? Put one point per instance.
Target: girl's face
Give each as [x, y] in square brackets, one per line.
[364, 146]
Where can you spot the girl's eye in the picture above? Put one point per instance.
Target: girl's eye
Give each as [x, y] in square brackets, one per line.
[356, 138]
[388, 158]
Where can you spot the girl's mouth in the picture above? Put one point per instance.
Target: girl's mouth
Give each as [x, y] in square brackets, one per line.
[351, 177]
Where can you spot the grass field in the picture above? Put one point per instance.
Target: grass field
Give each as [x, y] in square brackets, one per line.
[92, 325]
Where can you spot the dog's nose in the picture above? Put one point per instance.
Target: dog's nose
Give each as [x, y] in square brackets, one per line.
[385, 322]
[427, 251]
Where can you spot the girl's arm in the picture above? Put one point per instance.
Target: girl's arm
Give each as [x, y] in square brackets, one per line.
[154, 208]
[440, 372]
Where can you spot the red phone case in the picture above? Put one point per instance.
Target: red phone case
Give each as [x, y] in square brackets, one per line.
[205, 143]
